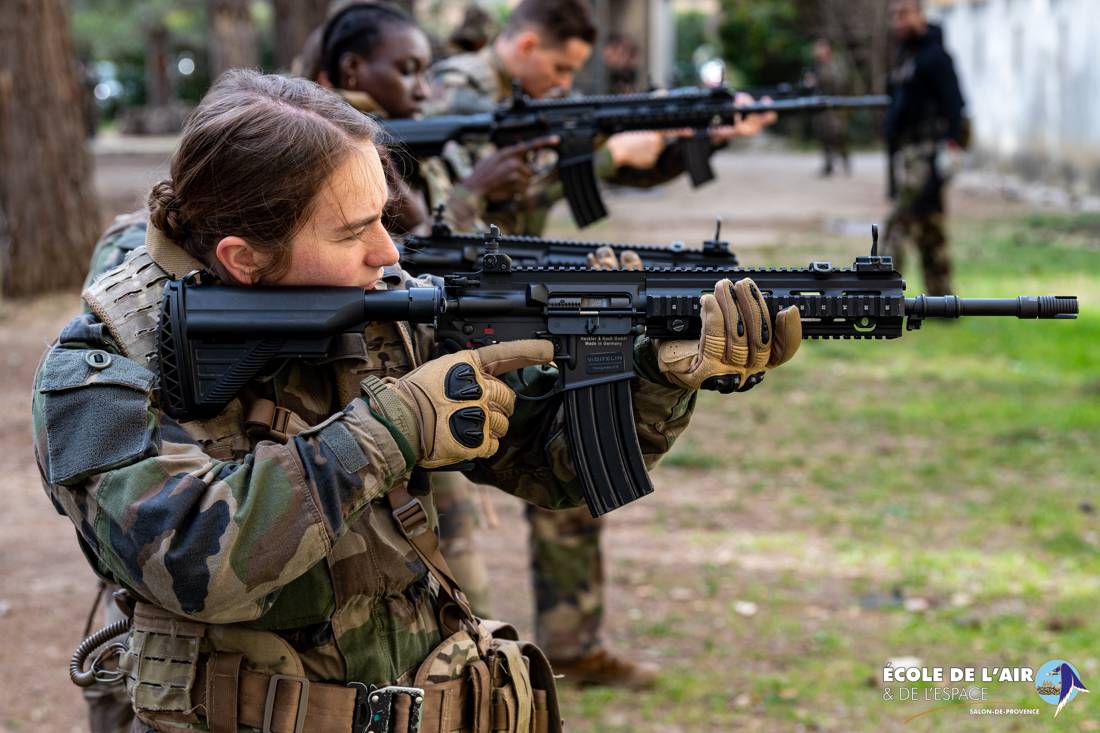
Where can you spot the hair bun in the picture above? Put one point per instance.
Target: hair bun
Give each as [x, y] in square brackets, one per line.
[166, 211]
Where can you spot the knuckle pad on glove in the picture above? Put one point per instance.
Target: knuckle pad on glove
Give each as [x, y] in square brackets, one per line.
[468, 426]
[461, 383]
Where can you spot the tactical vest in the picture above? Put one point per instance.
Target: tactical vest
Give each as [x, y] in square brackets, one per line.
[183, 674]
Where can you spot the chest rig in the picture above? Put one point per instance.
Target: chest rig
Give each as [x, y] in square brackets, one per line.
[184, 674]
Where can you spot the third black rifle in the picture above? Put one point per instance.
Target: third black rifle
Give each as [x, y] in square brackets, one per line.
[579, 121]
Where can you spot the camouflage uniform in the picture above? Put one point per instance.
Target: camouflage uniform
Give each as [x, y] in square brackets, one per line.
[566, 563]
[109, 708]
[437, 180]
[919, 216]
[282, 546]
[926, 115]
[471, 83]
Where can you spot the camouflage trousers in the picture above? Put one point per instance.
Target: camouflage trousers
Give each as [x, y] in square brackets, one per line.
[919, 216]
[566, 566]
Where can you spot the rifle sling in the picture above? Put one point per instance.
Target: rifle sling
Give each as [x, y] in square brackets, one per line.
[412, 519]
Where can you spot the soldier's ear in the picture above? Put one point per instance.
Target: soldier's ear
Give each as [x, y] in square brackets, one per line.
[349, 71]
[238, 259]
[527, 42]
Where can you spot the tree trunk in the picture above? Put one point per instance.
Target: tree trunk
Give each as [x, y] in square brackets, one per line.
[233, 41]
[294, 21]
[158, 85]
[48, 210]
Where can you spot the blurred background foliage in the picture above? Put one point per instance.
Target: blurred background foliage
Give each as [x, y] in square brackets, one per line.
[129, 47]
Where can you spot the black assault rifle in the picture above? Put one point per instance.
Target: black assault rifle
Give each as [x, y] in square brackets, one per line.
[579, 121]
[443, 252]
[214, 339]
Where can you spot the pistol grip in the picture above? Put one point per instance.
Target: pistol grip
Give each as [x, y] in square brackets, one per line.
[696, 150]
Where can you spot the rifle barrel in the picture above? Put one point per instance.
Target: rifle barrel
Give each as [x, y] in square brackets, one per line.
[1025, 306]
[816, 103]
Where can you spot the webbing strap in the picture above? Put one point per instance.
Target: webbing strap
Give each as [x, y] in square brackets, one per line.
[328, 707]
[268, 419]
[411, 517]
[521, 683]
[221, 695]
[168, 255]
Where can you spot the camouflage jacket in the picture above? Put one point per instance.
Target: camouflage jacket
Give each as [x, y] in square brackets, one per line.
[437, 179]
[470, 83]
[292, 536]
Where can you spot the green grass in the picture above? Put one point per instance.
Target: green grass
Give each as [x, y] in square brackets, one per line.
[937, 496]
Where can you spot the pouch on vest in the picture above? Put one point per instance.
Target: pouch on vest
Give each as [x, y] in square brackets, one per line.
[511, 690]
[161, 662]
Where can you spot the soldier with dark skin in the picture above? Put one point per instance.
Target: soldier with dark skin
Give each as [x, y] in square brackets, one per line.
[275, 547]
[926, 131]
[542, 46]
[377, 58]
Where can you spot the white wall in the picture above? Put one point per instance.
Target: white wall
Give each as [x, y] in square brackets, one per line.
[1030, 72]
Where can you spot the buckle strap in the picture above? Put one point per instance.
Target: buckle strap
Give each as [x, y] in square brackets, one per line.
[221, 695]
[412, 518]
[289, 704]
[390, 709]
[266, 419]
[299, 711]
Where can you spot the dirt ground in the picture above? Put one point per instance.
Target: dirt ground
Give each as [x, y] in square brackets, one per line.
[45, 587]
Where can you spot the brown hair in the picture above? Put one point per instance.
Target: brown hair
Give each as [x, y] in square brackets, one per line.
[556, 21]
[252, 157]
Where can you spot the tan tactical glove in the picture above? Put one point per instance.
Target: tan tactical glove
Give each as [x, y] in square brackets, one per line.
[737, 344]
[605, 259]
[453, 408]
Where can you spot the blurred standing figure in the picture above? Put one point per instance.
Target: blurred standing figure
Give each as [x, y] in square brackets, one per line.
[475, 30]
[621, 59]
[831, 76]
[925, 132]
